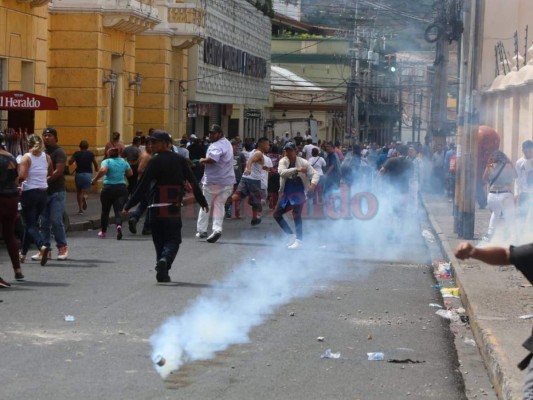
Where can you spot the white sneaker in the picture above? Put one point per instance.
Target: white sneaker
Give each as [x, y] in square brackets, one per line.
[39, 256]
[296, 245]
[290, 239]
[62, 253]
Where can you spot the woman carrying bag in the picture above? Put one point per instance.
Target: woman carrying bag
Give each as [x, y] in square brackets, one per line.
[499, 175]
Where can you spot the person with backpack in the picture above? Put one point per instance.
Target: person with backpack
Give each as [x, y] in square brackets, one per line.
[499, 175]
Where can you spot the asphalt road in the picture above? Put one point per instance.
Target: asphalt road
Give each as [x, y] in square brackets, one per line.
[249, 315]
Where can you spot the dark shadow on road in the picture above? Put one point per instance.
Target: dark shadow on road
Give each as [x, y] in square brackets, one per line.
[85, 263]
[254, 244]
[29, 284]
[137, 239]
[191, 285]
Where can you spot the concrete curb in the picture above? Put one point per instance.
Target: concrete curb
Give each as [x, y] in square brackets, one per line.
[491, 352]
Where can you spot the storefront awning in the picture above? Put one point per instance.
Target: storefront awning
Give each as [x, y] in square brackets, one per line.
[19, 100]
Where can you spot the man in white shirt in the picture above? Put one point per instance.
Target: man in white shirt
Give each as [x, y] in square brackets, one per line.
[308, 149]
[217, 183]
[318, 163]
[524, 182]
[252, 178]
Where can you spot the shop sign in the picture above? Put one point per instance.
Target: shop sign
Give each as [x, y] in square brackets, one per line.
[18, 100]
[252, 114]
[232, 59]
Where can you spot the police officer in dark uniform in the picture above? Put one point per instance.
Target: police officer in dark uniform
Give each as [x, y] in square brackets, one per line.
[522, 258]
[164, 178]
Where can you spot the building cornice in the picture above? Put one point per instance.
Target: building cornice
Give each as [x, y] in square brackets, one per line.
[130, 16]
[35, 3]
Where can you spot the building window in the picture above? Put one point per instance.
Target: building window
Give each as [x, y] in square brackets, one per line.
[28, 80]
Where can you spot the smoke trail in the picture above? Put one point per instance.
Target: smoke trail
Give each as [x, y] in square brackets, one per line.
[225, 315]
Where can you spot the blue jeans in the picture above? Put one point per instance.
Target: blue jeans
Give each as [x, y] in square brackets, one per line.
[33, 203]
[52, 219]
[139, 211]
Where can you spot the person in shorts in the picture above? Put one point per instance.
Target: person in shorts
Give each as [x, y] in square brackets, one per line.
[250, 183]
[85, 161]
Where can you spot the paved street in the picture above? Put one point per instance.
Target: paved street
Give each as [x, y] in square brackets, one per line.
[336, 289]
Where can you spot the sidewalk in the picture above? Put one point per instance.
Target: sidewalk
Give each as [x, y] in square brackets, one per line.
[91, 217]
[493, 296]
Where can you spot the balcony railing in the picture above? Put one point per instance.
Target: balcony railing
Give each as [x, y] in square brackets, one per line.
[184, 13]
[185, 21]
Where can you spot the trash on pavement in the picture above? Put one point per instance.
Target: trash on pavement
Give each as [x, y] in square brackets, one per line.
[438, 286]
[375, 356]
[428, 235]
[448, 314]
[447, 292]
[527, 316]
[465, 319]
[329, 354]
[470, 341]
[70, 318]
[405, 361]
[461, 310]
[435, 305]
[320, 338]
[442, 269]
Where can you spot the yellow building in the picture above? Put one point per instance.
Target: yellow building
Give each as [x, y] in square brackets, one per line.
[91, 69]
[116, 65]
[162, 61]
[23, 53]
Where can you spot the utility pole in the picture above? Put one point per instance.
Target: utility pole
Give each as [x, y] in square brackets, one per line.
[468, 127]
[419, 121]
[439, 98]
[412, 91]
[400, 102]
[352, 101]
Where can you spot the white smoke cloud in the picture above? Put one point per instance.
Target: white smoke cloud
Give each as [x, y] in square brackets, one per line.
[225, 314]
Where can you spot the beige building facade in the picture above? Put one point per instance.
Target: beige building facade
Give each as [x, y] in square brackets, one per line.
[506, 99]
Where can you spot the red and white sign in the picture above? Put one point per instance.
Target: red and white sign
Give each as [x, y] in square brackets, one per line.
[18, 100]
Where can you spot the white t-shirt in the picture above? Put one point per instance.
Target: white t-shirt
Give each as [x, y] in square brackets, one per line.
[256, 173]
[524, 170]
[317, 163]
[264, 176]
[308, 151]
